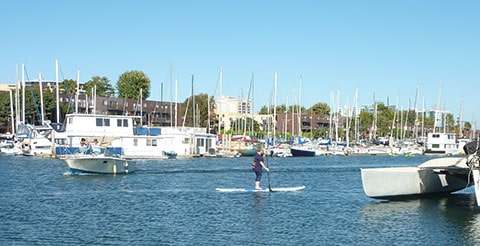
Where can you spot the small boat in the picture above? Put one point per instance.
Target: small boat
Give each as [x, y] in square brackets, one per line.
[435, 176]
[97, 162]
[301, 151]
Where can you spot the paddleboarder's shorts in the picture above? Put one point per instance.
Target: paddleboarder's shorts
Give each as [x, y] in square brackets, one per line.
[259, 175]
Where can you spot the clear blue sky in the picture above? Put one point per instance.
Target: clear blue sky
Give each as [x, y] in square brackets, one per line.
[385, 49]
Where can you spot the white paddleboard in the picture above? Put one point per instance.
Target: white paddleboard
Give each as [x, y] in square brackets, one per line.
[262, 190]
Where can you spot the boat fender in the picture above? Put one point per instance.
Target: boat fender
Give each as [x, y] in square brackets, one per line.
[126, 167]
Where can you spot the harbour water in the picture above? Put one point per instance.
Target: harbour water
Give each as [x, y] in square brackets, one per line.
[174, 202]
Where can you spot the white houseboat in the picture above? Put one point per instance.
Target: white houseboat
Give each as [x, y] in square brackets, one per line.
[125, 134]
[442, 144]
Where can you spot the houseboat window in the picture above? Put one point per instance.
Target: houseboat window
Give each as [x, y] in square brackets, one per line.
[435, 135]
[200, 142]
[106, 122]
[154, 142]
[209, 143]
[70, 120]
[149, 142]
[435, 146]
[122, 122]
[99, 121]
[185, 141]
[135, 142]
[61, 141]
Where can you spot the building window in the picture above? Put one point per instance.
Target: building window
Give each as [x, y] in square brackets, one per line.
[135, 142]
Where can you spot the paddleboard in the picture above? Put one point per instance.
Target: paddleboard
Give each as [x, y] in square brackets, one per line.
[262, 190]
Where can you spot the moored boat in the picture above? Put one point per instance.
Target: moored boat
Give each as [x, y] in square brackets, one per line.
[435, 176]
[302, 151]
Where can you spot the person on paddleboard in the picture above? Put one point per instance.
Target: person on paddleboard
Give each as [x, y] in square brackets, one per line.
[258, 166]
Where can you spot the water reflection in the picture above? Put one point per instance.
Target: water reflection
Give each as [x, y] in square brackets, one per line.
[434, 218]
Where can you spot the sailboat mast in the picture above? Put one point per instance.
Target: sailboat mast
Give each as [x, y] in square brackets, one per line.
[141, 108]
[193, 105]
[171, 95]
[300, 109]
[275, 107]
[77, 91]
[11, 112]
[220, 102]
[176, 102]
[23, 93]
[460, 123]
[416, 115]
[57, 91]
[17, 98]
[252, 109]
[42, 120]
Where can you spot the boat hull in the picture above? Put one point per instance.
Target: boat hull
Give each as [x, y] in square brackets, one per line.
[99, 165]
[297, 152]
[428, 178]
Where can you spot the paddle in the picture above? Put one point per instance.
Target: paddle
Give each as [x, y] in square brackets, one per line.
[268, 176]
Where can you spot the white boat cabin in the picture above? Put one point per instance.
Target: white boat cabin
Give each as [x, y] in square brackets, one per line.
[136, 141]
[441, 143]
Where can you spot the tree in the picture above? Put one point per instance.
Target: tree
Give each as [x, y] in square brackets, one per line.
[101, 85]
[68, 86]
[5, 119]
[384, 120]
[366, 121]
[130, 83]
[201, 110]
[280, 109]
[320, 109]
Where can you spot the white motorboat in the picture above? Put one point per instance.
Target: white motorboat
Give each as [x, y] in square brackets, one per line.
[35, 139]
[98, 164]
[435, 176]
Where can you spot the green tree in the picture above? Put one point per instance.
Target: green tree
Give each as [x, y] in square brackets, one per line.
[130, 83]
[384, 120]
[320, 109]
[201, 110]
[365, 123]
[280, 109]
[68, 87]
[101, 85]
[5, 119]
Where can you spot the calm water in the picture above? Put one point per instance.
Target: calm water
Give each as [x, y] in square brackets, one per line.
[174, 202]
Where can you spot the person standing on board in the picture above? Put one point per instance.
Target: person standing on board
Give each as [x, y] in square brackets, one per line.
[258, 166]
